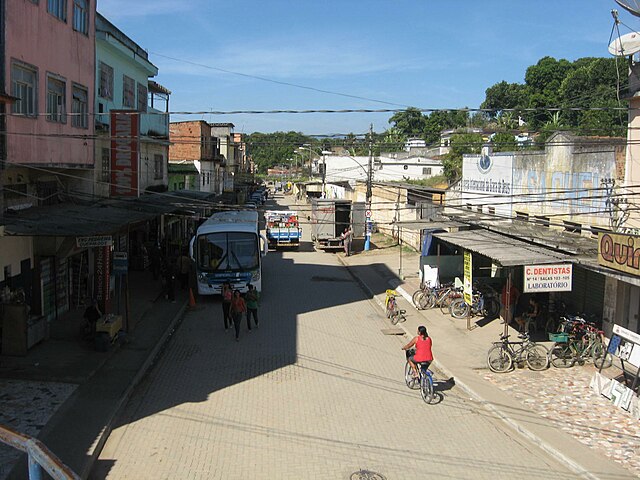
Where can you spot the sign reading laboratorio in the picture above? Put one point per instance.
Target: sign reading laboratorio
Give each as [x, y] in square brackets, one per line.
[95, 241]
[468, 278]
[620, 252]
[547, 278]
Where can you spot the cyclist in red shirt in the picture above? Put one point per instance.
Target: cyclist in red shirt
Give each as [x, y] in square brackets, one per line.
[423, 354]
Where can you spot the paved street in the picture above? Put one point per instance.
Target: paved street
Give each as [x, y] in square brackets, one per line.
[316, 392]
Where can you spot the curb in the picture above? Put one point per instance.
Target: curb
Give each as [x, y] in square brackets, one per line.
[102, 438]
[533, 438]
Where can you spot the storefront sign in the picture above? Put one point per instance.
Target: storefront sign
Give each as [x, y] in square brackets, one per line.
[125, 137]
[120, 263]
[468, 278]
[547, 278]
[102, 274]
[486, 180]
[625, 345]
[97, 241]
[620, 252]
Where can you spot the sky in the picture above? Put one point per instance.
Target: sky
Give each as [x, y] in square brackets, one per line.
[244, 55]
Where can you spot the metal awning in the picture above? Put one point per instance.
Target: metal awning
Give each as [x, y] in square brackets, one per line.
[506, 251]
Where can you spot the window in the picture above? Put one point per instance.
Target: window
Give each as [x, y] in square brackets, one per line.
[24, 88]
[479, 209]
[426, 170]
[542, 221]
[81, 16]
[128, 91]
[58, 8]
[56, 100]
[106, 165]
[572, 227]
[492, 211]
[158, 170]
[522, 217]
[79, 107]
[142, 98]
[105, 90]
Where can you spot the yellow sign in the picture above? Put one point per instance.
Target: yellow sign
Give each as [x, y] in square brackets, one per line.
[468, 278]
[620, 252]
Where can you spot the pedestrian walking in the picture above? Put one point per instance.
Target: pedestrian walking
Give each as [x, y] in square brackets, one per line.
[227, 296]
[238, 307]
[347, 237]
[252, 298]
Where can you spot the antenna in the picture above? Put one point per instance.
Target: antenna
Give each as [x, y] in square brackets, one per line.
[631, 6]
[627, 44]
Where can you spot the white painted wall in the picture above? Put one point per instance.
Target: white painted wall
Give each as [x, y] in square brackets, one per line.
[385, 169]
[12, 251]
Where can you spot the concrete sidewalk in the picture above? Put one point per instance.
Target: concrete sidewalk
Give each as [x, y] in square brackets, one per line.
[461, 354]
[78, 429]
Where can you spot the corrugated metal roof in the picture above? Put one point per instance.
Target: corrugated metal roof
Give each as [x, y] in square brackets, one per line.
[506, 251]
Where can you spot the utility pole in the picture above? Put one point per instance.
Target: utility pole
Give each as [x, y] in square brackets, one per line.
[367, 226]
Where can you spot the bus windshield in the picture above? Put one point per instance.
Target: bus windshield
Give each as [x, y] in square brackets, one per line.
[228, 251]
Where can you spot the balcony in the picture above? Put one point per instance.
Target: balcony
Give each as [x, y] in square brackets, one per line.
[155, 124]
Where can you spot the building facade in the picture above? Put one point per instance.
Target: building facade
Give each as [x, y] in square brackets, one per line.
[140, 135]
[191, 156]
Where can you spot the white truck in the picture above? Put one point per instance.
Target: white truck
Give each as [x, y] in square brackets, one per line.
[282, 228]
[329, 218]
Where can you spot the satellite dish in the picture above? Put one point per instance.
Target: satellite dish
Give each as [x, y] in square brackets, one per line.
[627, 44]
[631, 6]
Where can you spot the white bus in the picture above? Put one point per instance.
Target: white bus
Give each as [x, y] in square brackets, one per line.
[229, 247]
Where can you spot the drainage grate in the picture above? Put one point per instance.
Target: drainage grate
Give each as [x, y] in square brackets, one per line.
[366, 475]
[392, 331]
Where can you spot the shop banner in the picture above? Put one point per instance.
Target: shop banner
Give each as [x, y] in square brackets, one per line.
[97, 241]
[102, 278]
[125, 138]
[620, 252]
[548, 278]
[468, 278]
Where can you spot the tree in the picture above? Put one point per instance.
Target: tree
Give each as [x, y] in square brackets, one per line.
[504, 142]
[270, 149]
[503, 96]
[461, 143]
[409, 122]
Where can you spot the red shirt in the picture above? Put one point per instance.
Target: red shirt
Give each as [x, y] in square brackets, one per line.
[423, 350]
[238, 305]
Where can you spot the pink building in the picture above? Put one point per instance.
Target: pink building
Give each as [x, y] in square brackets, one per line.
[49, 65]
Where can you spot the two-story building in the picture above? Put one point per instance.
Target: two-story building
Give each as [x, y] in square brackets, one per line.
[191, 157]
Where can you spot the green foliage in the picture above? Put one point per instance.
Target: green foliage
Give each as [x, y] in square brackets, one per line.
[461, 143]
[271, 149]
[409, 122]
[504, 142]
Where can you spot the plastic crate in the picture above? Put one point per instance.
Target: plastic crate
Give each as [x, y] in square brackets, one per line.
[559, 337]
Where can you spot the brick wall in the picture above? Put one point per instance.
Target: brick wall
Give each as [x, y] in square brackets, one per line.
[186, 140]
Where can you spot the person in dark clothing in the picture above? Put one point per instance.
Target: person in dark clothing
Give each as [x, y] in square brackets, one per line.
[91, 316]
[227, 296]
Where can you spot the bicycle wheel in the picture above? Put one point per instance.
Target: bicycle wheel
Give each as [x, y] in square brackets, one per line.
[491, 308]
[498, 359]
[601, 358]
[411, 381]
[428, 300]
[426, 387]
[459, 309]
[537, 357]
[415, 298]
[562, 355]
[445, 304]
[395, 318]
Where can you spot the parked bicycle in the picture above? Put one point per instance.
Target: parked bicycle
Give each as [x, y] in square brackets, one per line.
[424, 381]
[484, 304]
[394, 313]
[503, 355]
[579, 343]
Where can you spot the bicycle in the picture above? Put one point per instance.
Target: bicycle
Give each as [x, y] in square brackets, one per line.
[394, 313]
[424, 381]
[502, 356]
[582, 344]
[485, 305]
